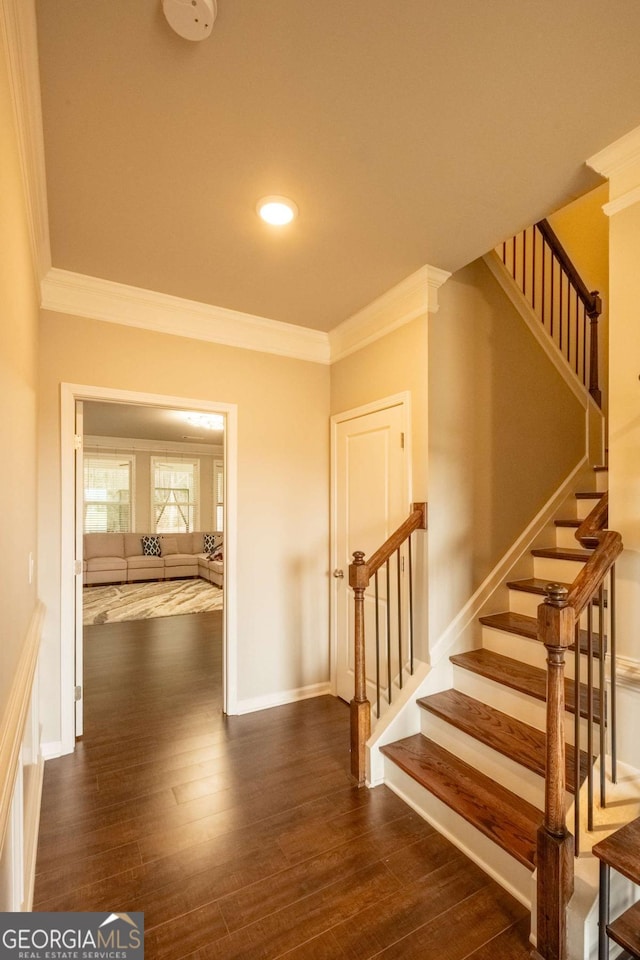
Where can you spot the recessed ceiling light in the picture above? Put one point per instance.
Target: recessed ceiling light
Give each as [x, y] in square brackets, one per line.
[277, 211]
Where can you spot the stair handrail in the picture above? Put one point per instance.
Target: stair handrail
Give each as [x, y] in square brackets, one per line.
[360, 573]
[535, 277]
[558, 618]
[590, 298]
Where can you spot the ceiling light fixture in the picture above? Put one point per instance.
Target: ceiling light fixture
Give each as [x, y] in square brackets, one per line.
[208, 421]
[277, 211]
[191, 19]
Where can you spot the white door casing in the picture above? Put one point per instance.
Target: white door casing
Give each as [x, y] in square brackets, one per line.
[371, 494]
[78, 557]
[69, 393]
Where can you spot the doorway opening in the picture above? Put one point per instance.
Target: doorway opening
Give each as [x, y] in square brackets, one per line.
[172, 490]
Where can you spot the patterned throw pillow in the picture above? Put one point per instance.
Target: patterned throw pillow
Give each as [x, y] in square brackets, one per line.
[209, 542]
[151, 546]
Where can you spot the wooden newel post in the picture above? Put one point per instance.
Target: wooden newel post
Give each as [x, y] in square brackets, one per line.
[594, 315]
[360, 706]
[556, 622]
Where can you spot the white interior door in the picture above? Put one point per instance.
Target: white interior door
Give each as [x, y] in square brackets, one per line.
[78, 555]
[371, 499]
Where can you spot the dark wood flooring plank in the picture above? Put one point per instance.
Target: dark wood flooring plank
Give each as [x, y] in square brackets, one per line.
[512, 944]
[289, 928]
[457, 932]
[239, 837]
[381, 925]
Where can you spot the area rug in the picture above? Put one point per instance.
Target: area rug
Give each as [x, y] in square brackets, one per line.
[141, 601]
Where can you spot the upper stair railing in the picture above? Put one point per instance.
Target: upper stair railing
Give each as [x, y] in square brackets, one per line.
[569, 312]
[394, 655]
[559, 628]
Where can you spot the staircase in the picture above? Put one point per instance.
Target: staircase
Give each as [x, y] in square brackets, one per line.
[477, 769]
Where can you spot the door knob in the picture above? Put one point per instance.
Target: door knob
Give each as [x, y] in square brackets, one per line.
[338, 574]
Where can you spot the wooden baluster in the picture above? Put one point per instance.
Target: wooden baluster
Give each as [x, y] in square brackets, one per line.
[556, 622]
[360, 706]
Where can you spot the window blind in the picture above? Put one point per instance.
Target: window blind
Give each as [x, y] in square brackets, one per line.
[107, 494]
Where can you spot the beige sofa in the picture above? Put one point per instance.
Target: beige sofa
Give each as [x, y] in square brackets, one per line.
[120, 557]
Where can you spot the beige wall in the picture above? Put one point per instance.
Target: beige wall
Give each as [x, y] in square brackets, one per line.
[282, 484]
[393, 364]
[583, 229]
[504, 432]
[18, 381]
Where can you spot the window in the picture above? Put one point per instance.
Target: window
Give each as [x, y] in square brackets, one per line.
[175, 495]
[218, 494]
[107, 493]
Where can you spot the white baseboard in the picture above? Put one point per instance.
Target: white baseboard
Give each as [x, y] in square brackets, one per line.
[51, 750]
[284, 696]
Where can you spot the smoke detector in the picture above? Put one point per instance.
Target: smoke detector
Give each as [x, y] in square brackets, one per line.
[191, 19]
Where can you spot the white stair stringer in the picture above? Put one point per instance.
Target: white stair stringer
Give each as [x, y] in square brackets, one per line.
[491, 858]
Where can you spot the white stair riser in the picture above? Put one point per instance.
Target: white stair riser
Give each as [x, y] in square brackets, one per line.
[528, 603]
[602, 480]
[552, 570]
[566, 537]
[529, 651]
[585, 506]
[509, 873]
[516, 704]
[503, 770]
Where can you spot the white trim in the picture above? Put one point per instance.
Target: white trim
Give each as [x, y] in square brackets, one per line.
[396, 400]
[628, 672]
[15, 714]
[69, 393]
[52, 750]
[413, 297]
[19, 35]
[78, 295]
[522, 305]
[134, 445]
[31, 832]
[83, 296]
[621, 203]
[618, 156]
[284, 696]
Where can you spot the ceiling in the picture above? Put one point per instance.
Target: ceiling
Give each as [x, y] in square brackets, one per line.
[408, 133]
[142, 422]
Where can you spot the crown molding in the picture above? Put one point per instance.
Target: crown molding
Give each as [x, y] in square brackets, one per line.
[621, 203]
[20, 40]
[91, 297]
[413, 297]
[618, 156]
[81, 296]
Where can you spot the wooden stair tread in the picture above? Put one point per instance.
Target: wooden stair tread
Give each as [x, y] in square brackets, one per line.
[590, 495]
[524, 626]
[539, 586]
[625, 930]
[507, 736]
[563, 553]
[568, 523]
[522, 677]
[621, 850]
[502, 816]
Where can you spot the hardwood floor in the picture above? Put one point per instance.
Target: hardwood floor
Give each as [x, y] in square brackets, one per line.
[242, 838]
